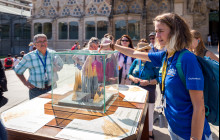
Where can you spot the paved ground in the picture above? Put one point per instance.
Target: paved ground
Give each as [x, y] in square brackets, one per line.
[18, 93]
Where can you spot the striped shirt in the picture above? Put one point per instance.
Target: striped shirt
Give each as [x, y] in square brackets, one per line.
[32, 62]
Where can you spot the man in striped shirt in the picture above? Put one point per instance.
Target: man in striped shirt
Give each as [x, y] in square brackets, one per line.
[40, 68]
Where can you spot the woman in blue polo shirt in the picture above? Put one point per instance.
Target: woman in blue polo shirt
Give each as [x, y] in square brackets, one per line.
[184, 106]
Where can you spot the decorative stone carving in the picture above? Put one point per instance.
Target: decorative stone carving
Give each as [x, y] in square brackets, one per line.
[199, 20]
[213, 5]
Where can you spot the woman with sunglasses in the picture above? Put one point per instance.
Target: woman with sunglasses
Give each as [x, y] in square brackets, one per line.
[184, 105]
[125, 61]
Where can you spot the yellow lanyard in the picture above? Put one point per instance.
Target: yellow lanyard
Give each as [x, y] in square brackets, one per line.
[164, 70]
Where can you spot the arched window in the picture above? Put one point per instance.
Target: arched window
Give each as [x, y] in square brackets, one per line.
[73, 30]
[66, 11]
[5, 31]
[120, 28]
[63, 30]
[47, 30]
[102, 29]
[71, 2]
[17, 31]
[135, 8]
[26, 31]
[122, 8]
[52, 12]
[77, 11]
[92, 10]
[134, 29]
[105, 10]
[37, 28]
[153, 7]
[46, 3]
[90, 29]
[42, 12]
[163, 6]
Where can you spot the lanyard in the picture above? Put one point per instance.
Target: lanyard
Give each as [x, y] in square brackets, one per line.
[155, 50]
[45, 61]
[141, 69]
[165, 69]
[125, 61]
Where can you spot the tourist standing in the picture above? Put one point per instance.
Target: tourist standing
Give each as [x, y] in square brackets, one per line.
[144, 74]
[125, 61]
[198, 46]
[184, 105]
[8, 62]
[40, 68]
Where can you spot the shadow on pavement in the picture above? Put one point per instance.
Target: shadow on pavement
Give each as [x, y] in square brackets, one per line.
[3, 101]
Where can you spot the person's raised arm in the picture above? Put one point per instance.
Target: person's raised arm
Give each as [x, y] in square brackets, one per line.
[126, 51]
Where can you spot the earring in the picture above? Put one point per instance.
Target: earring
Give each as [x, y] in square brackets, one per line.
[198, 41]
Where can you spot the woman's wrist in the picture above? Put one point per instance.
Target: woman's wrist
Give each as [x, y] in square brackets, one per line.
[149, 83]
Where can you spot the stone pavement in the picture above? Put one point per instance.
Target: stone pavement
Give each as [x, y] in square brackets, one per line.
[18, 93]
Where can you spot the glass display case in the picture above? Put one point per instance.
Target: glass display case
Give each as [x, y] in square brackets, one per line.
[88, 80]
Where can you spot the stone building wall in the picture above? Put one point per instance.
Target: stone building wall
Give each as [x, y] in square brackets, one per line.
[133, 17]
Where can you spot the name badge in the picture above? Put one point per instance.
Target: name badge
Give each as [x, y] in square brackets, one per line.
[164, 102]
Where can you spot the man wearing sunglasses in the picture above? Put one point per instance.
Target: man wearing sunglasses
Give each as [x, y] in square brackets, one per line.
[40, 67]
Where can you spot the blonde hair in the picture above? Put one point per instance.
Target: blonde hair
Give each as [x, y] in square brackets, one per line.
[180, 36]
[201, 48]
[92, 40]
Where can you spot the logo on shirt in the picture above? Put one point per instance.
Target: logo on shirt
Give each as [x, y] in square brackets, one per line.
[172, 72]
[197, 79]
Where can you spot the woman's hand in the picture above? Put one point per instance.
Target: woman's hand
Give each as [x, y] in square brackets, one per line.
[144, 83]
[136, 80]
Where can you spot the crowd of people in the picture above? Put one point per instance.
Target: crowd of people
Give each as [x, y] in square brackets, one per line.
[146, 65]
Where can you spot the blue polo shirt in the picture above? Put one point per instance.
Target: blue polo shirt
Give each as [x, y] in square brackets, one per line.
[179, 108]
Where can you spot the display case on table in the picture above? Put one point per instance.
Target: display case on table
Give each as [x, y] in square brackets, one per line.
[87, 81]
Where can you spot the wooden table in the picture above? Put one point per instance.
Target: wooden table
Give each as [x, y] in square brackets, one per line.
[65, 116]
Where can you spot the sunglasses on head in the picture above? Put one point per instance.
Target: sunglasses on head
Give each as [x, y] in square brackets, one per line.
[152, 38]
[95, 41]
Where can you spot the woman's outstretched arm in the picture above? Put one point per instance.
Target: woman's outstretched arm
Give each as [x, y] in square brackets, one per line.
[126, 51]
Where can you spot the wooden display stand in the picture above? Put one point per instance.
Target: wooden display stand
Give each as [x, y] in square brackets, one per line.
[67, 115]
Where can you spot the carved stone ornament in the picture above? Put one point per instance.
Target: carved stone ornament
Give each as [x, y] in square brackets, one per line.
[199, 20]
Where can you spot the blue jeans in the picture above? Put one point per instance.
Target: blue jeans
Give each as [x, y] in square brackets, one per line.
[35, 92]
[174, 136]
[3, 133]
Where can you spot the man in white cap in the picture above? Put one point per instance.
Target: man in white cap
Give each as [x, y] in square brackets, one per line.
[152, 42]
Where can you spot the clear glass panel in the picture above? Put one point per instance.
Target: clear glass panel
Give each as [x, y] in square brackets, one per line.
[74, 30]
[84, 80]
[48, 30]
[102, 29]
[63, 30]
[134, 29]
[120, 28]
[37, 28]
[90, 29]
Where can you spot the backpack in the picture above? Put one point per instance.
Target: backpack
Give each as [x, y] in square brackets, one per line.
[210, 69]
[9, 61]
